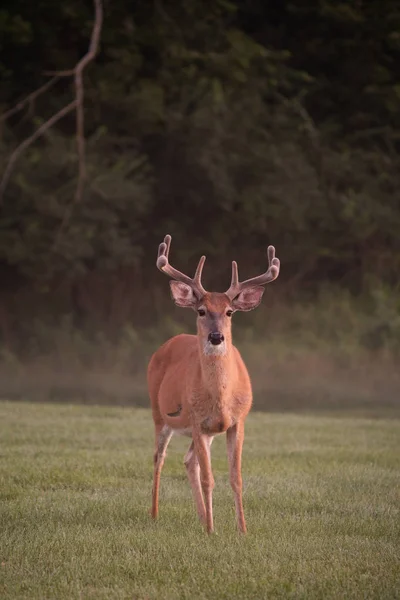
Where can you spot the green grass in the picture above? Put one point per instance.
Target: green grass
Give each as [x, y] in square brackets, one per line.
[321, 500]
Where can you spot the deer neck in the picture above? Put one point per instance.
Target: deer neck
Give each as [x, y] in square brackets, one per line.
[217, 369]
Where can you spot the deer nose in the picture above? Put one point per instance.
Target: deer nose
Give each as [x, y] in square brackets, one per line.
[215, 338]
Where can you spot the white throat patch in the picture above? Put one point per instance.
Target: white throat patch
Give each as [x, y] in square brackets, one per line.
[210, 350]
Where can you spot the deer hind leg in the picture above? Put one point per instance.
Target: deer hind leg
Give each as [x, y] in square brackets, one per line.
[193, 472]
[202, 444]
[235, 438]
[163, 437]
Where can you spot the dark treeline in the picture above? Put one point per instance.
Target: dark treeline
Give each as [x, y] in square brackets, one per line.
[229, 124]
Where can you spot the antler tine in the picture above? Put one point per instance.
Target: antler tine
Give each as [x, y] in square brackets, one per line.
[272, 273]
[199, 270]
[235, 274]
[271, 254]
[235, 285]
[167, 242]
[164, 266]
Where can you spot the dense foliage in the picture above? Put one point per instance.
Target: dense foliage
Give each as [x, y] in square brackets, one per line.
[230, 125]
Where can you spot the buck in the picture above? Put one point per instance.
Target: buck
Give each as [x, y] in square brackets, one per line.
[199, 385]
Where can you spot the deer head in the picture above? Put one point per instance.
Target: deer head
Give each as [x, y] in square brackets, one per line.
[214, 310]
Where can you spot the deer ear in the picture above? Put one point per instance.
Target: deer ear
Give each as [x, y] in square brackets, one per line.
[183, 294]
[248, 298]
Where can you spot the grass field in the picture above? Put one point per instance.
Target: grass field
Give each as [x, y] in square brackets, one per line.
[321, 500]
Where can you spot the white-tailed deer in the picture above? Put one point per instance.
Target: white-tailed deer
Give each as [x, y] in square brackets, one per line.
[199, 385]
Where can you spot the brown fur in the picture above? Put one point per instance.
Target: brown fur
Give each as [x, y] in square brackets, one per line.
[210, 393]
[199, 384]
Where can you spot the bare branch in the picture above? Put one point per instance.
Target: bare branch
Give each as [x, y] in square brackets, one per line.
[76, 104]
[26, 143]
[79, 91]
[67, 73]
[29, 99]
[80, 134]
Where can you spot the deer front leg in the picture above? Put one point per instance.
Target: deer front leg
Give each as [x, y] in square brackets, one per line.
[163, 437]
[193, 473]
[234, 438]
[202, 445]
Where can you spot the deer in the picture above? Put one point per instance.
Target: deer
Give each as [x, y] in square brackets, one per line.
[199, 385]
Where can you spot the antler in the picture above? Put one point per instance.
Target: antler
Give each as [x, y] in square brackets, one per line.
[165, 267]
[271, 274]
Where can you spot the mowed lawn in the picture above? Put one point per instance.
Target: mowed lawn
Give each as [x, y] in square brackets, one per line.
[321, 499]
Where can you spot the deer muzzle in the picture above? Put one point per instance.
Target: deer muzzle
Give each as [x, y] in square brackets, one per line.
[215, 338]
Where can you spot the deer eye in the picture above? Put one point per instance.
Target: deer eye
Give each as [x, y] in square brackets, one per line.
[201, 312]
[229, 313]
